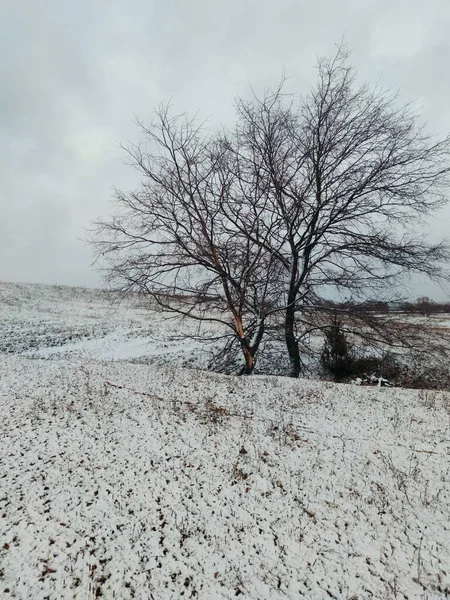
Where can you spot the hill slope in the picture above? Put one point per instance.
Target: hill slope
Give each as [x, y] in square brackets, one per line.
[129, 481]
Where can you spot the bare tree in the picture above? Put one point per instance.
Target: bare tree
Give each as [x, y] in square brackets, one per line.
[425, 305]
[178, 237]
[350, 175]
[302, 201]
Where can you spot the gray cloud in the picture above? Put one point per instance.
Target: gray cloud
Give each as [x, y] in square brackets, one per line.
[74, 74]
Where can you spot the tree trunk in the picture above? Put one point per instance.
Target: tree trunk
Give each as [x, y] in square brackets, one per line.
[249, 362]
[250, 351]
[291, 342]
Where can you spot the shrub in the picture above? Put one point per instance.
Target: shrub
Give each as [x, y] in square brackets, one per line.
[342, 360]
[337, 356]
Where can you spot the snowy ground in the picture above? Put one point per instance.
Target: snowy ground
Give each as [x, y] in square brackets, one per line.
[121, 480]
[57, 322]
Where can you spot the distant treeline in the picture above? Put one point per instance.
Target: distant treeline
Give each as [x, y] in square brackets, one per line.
[423, 306]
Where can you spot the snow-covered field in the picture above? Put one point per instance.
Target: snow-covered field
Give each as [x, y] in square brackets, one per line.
[57, 322]
[124, 475]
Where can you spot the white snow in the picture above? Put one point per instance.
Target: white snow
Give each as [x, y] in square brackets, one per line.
[121, 480]
[59, 322]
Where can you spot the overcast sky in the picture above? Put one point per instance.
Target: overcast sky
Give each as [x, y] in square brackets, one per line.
[74, 74]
